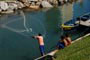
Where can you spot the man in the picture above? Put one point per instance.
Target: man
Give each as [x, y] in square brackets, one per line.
[68, 39]
[62, 43]
[39, 37]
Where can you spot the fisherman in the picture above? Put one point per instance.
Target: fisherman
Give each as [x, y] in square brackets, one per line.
[68, 39]
[39, 37]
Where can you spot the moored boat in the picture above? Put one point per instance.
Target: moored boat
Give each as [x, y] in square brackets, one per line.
[83, 20]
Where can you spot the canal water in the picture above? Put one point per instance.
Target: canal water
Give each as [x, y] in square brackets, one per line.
[17, 28]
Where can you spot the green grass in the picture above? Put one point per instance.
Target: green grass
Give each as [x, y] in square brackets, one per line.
[79, 50]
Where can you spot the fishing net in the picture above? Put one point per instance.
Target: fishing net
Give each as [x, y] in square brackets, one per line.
[25, 26]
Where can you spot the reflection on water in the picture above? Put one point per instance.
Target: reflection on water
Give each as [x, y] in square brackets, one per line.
[20, 45]
[52, 27]
[67, 12]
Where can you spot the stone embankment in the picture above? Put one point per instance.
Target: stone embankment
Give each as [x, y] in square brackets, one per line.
[11, 6]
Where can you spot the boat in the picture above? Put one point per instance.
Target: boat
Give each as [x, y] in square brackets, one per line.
[67, 27]
[83, 20]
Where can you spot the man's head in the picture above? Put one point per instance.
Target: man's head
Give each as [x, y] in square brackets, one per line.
[40, 34]
[66, 35]
[62, 37]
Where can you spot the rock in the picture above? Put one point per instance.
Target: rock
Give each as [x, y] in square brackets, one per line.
[33, 0]
[40, 0]
[33, 4]
[0, 9]
[25, 2]
[61, 2]
[38, 3]
[20, 5]
[46, 4]
[53, 2]
[34, 7]
[3, 5]
[8, 11]
[12, 6]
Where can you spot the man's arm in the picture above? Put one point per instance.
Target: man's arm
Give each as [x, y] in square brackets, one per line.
[34, 37]
[65, 42]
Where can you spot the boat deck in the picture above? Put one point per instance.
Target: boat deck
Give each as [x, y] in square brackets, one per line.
[84, 23]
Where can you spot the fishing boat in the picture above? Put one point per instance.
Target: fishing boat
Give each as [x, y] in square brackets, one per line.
[83, 20]
[67, 27]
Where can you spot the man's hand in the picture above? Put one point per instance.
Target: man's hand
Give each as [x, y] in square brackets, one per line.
[33, 36]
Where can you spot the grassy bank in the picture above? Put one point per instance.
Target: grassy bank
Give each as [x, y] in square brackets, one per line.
[79, 50]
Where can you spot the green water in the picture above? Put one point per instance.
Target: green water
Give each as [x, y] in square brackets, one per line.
[17, 28]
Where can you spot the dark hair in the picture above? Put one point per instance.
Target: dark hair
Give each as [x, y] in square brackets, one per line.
[40, 34]
[62, 37]
[66, 35]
